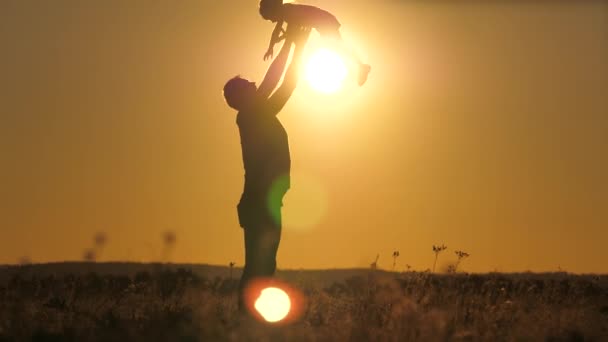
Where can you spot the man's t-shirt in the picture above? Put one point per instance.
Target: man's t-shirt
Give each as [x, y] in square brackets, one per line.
[265, 150]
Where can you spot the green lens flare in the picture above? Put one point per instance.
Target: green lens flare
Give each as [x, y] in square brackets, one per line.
[275, 197]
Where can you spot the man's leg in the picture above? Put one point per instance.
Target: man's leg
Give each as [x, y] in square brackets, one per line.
[261, 246]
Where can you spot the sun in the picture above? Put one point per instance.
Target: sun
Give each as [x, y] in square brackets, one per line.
[273, 304]
[326, 71]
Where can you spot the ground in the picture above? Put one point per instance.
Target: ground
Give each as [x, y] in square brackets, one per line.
[156, 302]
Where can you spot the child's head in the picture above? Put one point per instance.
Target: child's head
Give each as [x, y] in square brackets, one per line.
[239, 92]
[270, 9]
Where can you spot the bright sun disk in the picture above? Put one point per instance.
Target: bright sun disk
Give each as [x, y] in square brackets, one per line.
[326, 71]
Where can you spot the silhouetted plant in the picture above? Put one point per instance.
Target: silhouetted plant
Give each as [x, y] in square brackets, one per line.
[461, 255]
[374, 265]
[395, 256]
[437, 250]
[25, 260]
[231, 264]
[169, 238]
[89, 255]
[100, 240]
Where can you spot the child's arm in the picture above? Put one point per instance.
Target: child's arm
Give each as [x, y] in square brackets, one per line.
[275, 71]
[274, 38]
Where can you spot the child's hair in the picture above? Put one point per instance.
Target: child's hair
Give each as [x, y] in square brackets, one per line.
[268, 7]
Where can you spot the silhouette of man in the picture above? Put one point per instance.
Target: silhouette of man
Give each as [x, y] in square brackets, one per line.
[266, 158]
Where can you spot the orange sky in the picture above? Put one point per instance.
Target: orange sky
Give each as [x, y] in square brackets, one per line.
[482, 126]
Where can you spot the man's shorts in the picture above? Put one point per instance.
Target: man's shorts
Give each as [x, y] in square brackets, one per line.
[258, 210]
[263, 206]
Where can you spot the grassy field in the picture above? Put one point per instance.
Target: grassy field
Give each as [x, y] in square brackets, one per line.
[154, 302]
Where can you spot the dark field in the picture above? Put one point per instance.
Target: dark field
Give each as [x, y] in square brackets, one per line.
[136, 302]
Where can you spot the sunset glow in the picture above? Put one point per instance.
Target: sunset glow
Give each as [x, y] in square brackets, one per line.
[488, 138]
[326, 71]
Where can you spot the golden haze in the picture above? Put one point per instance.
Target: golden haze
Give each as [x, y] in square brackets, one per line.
[482, 126]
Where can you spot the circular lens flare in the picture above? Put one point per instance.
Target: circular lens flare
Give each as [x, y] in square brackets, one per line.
[306, 203]
[273, 304]
[274, 301]
[326, 71]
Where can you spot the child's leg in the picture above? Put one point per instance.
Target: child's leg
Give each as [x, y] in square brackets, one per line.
[345, 50]
[340, 46]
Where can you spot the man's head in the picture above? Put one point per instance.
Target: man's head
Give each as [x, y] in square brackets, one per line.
[239, 92]
[270, 9]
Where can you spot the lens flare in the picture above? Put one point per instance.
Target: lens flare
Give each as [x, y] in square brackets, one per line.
[274, 301]
[273, 304]
[306, 203]
[326, 71]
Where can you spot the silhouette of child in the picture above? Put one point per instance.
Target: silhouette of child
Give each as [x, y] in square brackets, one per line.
[306, 16]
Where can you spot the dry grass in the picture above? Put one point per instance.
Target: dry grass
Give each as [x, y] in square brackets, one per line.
[179, 305]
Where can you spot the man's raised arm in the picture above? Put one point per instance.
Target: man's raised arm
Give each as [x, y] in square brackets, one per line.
[275, 71]
[280, 97]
